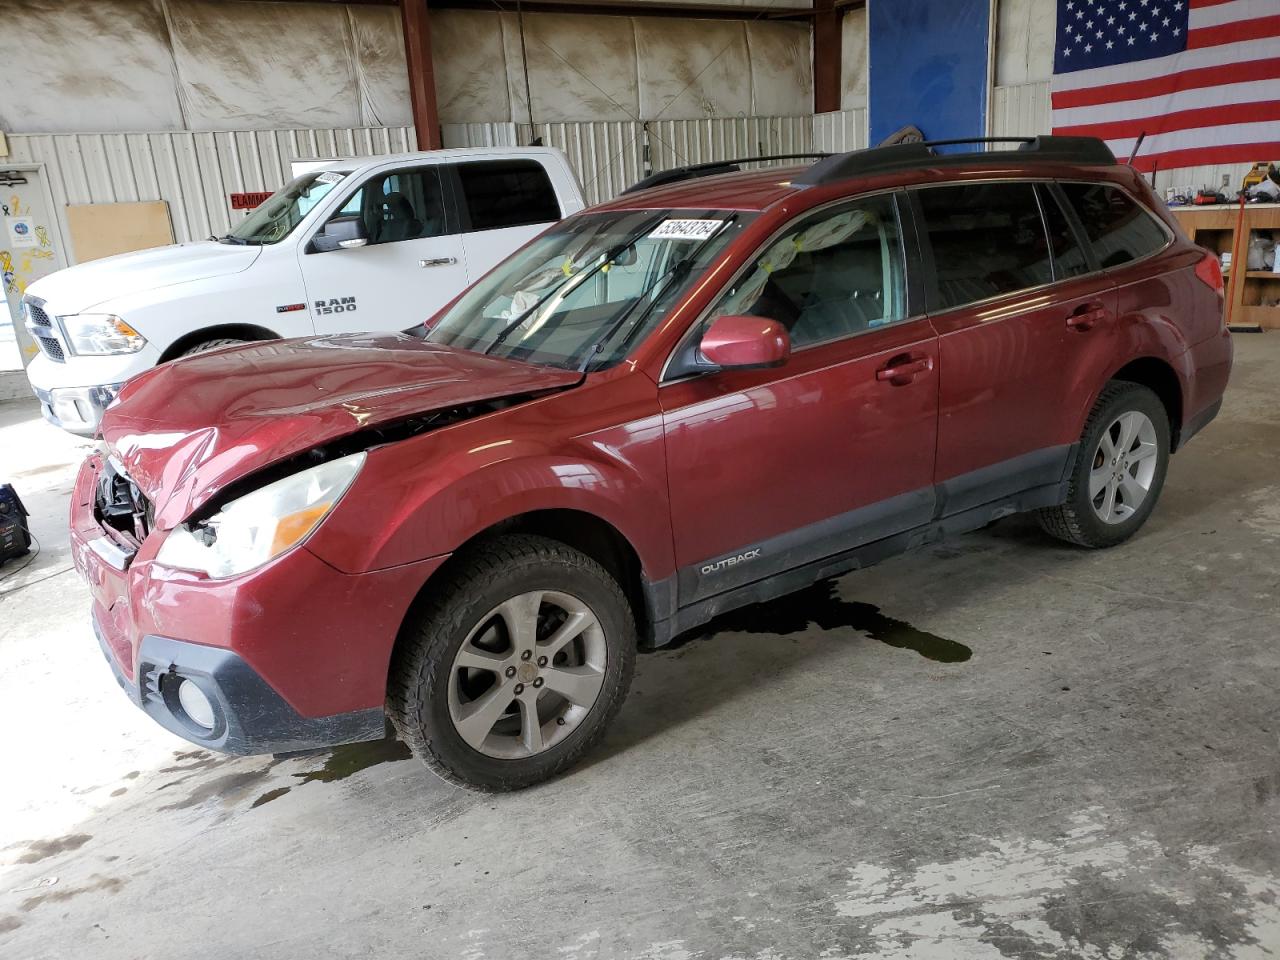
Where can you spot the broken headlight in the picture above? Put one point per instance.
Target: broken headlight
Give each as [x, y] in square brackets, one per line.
[260, 526]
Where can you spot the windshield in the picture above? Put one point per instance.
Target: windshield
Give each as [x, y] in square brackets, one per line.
[583, 294]
[283, 210]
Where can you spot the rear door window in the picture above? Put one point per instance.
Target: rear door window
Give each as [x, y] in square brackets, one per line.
[1118, 228]
[987, 239]
[507, 193]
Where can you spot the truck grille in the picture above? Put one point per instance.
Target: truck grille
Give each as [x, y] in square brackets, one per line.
[119, 504]
[40, 324]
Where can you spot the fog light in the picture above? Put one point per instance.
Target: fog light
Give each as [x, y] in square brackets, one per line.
[196, 705]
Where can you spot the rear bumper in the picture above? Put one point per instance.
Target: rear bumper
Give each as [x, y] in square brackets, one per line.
[249, 717]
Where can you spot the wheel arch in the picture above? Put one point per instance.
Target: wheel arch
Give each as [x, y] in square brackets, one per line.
[239, 331]
[1160, 378]
[578, 529]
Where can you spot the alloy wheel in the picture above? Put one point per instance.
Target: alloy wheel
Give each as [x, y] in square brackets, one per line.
[527, 675]
[1124, 466]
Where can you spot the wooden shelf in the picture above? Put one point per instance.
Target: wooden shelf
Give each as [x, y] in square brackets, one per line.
[1214, 228]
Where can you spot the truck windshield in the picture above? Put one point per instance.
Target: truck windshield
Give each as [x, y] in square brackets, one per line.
[276, 217]
[589, 289]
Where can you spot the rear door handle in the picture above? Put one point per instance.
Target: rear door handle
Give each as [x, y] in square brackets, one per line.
[902, 370]
[438, 262]
[1085, 316]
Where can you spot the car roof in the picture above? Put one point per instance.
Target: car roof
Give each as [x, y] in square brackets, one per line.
[704, 186]
[747, 190]
[349, 164]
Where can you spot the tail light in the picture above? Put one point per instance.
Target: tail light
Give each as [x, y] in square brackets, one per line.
[1210, 272]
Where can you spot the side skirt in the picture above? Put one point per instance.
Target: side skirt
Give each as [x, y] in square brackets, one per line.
[963, 520]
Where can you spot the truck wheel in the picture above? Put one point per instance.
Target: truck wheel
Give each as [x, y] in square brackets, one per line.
[209, 345]
[1119, 469]
[515, 666]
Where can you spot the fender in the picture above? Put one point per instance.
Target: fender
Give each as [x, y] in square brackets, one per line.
[437, 491]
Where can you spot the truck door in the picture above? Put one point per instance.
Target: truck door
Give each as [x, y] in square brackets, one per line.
[412, 264]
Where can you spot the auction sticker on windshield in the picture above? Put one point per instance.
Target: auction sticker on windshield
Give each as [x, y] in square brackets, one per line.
[686, 229]
[329, 176]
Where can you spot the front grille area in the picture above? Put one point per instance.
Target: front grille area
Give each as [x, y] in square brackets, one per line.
[119, 503]
[41, 326]
[35, 310]
[52, 348]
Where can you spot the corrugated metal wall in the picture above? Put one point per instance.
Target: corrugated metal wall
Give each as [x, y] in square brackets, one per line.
[194, 172]
[1021, 110]
[841, 130]
[610, 156]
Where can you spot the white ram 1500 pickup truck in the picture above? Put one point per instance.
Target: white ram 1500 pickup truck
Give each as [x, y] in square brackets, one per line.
[352, 245]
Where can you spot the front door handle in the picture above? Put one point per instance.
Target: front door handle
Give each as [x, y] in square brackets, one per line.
[1086, 315]
[438, 262]
[903, 369]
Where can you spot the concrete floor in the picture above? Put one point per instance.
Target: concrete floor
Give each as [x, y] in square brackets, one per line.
[829, 776]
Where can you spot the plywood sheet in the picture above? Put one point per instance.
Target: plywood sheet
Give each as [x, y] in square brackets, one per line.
[105, 229]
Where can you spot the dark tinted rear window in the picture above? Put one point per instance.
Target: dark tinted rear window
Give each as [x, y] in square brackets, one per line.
[987, 239]
[507, 193]
[1117, 227]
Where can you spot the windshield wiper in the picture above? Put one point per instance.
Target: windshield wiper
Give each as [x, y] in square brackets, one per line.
[229, 238]
[678, 269]
[576, 280]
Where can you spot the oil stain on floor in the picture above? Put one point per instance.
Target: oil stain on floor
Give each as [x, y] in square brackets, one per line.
[341, 762]
[822, 606]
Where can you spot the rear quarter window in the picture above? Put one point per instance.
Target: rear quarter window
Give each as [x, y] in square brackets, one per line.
[507, 193]
[1118, 228]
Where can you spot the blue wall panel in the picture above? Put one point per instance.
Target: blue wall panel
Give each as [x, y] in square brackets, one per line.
[928, 67]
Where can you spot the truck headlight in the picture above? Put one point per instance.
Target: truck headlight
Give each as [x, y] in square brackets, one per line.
[260, 526]
[100, 334]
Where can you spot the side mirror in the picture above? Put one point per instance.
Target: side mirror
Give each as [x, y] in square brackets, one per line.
[745, 343]
[341, 233]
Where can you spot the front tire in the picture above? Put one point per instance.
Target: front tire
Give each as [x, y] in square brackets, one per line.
[1119, 469]
[515, 666]
[211, 345]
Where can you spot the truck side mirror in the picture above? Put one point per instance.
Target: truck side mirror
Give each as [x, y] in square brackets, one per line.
[341, 233]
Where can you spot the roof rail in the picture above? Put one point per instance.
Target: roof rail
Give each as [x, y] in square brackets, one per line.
[905, 156]
[676, 174]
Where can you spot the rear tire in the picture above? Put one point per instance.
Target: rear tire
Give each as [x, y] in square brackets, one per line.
[1119, 469]
[210, 345]
[468, 701]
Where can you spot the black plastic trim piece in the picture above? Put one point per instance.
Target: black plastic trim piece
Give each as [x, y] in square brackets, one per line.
[1197, 423]
[250, 716]
[1089, 151]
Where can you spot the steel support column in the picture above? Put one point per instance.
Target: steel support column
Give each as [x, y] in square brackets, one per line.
[826, 56]
[416, 20]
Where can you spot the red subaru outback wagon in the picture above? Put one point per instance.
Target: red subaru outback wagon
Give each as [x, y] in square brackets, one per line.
[714, 390]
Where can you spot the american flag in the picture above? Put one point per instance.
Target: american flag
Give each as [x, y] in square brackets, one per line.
[1200, 77]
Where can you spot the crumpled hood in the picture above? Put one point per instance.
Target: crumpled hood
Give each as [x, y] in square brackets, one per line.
[86, 285]
[186, 429]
